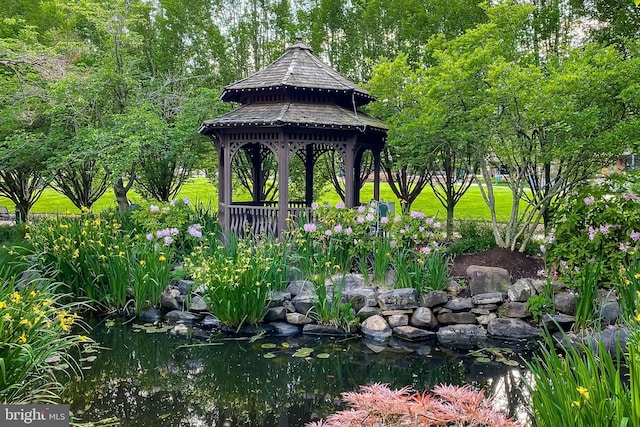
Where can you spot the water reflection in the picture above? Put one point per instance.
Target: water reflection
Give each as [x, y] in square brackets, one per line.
[157, 379]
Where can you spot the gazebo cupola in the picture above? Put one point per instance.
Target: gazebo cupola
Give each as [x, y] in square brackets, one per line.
[296, 106]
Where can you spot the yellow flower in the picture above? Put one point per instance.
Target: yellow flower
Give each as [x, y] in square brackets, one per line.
[76, 254]
[27, 236]
[162, 258]
[121, 254]
[638, 317]
[33, 293]
[575, 403]
[15, 297]
[2, 305]
[22, 338]
[47, 302]
[142, 262]
[83, 338]
[583, 391]
[636, 276]
[85, 209]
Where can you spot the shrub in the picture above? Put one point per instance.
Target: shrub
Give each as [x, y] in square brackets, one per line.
[475, 236]
[36, 332]
[447, 405]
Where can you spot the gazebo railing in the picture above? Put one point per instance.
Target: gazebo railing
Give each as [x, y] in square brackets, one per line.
[253, 218]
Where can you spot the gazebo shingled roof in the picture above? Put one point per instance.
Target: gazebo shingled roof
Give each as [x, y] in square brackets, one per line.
[296, 106]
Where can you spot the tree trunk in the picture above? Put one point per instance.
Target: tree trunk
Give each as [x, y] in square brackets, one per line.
[120, 192]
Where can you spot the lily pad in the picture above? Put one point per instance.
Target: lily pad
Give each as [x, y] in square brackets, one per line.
[323, 355]
[285, 345]
[511, 362]
[268, 345]
[268, 355]
[303, 352]
[483, 360]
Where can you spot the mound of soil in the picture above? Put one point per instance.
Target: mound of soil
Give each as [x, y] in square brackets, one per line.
[519, 265]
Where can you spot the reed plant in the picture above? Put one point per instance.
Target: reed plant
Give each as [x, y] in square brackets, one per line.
[438, 268]
[150, 271]
[628, 289]
[381, 258]
[36, 325]
[587, 287]
[581, 386]
[330, 308]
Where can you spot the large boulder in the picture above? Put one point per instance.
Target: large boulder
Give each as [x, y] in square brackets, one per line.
[457, 318]
[522, 290]
[434, 298]
[423, 317]
[398, 299]
[487, 299]
[484, 279]
[300, 287]
[459, 304]
[362, 297]
[376, 328]
[412, 334]
[565, 302]
[462, 336]
[329, 330]
[512, 329]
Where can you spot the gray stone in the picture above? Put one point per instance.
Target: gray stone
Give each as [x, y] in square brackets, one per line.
[178, 315]
[169, 302]
[510, 329]
[454, 288]
[490, 307]
[298, 319]
[277, 298]
[610, 337]
[423, 317]
[521, 291]
[364, 297]
[557, 322]
[565, 302]
[457, 318]
[330, 330]
[150, 315]
[396, 312]
[365, 312]
[300, 287]
[434, 298]
[515, 310]
[462, 336]
[610, 312]
[459, 304]
[210, 322]
[288, 305]
[484, 279]
[304, 303]
[412, 334]
[184, 286]
[349, 281]
[275, 314]
[484, 319]
[197, 304]
[489, 298]
[539, 284]
[284, 329]
[480, 311]
[376, 329]
[398, 299]
[397, 320]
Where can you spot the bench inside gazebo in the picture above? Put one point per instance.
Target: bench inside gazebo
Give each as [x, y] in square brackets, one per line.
[296, 106]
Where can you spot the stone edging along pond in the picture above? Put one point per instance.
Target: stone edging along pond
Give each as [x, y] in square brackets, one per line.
[490, 307]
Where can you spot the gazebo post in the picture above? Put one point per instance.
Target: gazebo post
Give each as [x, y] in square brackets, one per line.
[283, 185]
[349, 178]
[256, 173]
[376, 174]
[308, 170]
[225, 185]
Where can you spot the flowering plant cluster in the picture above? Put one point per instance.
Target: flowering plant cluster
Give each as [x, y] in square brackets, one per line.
[36, 328]
[598, 219]
[446, 405]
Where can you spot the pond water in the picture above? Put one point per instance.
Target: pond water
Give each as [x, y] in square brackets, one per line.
[158, 379]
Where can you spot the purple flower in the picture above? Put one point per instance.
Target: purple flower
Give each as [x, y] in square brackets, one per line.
[314, 206]
[339, 205]
[369, 217]
[327, 232]
[592, 232]
[425, 250]
[173, 231]
[436, 225]
[194, 230]
[384, 220]
[348, 231]
[393, 243]
[361, 209]
[624, 247]
[564, 264]
[150, 236]
[421, 229]
[168, 240]
[153, 208]
[589, 200]
[186, 200]
[338, 228]
[162, 233]
[543, 249]
[635, 235]
[397, 219]
[417, 214]
[429, 221]
[604, 229]
[631, 196]
[542, 273]
[359, 219]
[309, 227]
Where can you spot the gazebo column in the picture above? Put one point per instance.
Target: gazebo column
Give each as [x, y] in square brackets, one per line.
[349, 177]
[224, 189]
[308, 172]
[283, 185]
[376, 174]
[256, 172]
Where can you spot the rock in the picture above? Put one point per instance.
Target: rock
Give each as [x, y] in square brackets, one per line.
[398, 299]
[366, 312]
[178, 315]
[349, 281]
[515, 310]
[288, 305]
[490, 307]
[304, 303]
[396, 312]
[609, 337]
[412, 334]
[210, 322]
[510, 329]
[283, 329]
[459, 304]
[184, 286]
[539, 284]
[423, 317]
[169, 302]
[150, 315]
[565, 302]
[489, 298]
[557, 322]
[330, 330]
[480, 311]
[610, 312]
[454, 288]
[483, 279]
[364, 297]
[521, 291]
[197, 304]
[298, 319]
[376, 329]
[300, 287]
[457, 318]
[277, 298]
[484, 319]
[397, 320]
[180, 329]
[275, 314]
[462, 336]
[434, 298]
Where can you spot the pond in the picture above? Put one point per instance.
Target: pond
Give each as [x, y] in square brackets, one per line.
[151, 379]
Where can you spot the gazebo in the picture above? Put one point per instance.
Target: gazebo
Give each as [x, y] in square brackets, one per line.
[296, 106]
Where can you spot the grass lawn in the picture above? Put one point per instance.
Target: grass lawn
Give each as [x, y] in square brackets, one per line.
[471, 206]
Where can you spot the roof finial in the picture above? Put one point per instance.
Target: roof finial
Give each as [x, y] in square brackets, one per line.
[299, 37]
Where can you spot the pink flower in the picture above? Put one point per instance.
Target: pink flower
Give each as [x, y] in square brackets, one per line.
[338, 228]
[369, 217]
[154, 208]
[359, 219]
[150, 236]
[635, 235]
[173, 231]
[543, 249]
[314, 206]
[397, 219]
[436, 225]
[604, 229]
[327, 233]
[425, 250]
[384, 220]
[168, 240]
[309, 227]
[194, 230]
[624, 247]
[542, 273]
[589, 200]
[592, 232]
[417, 214]
[361, 209]
[339, 205]
[348, 231]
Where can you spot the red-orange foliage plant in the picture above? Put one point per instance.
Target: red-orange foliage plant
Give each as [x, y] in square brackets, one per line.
[447, 405]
